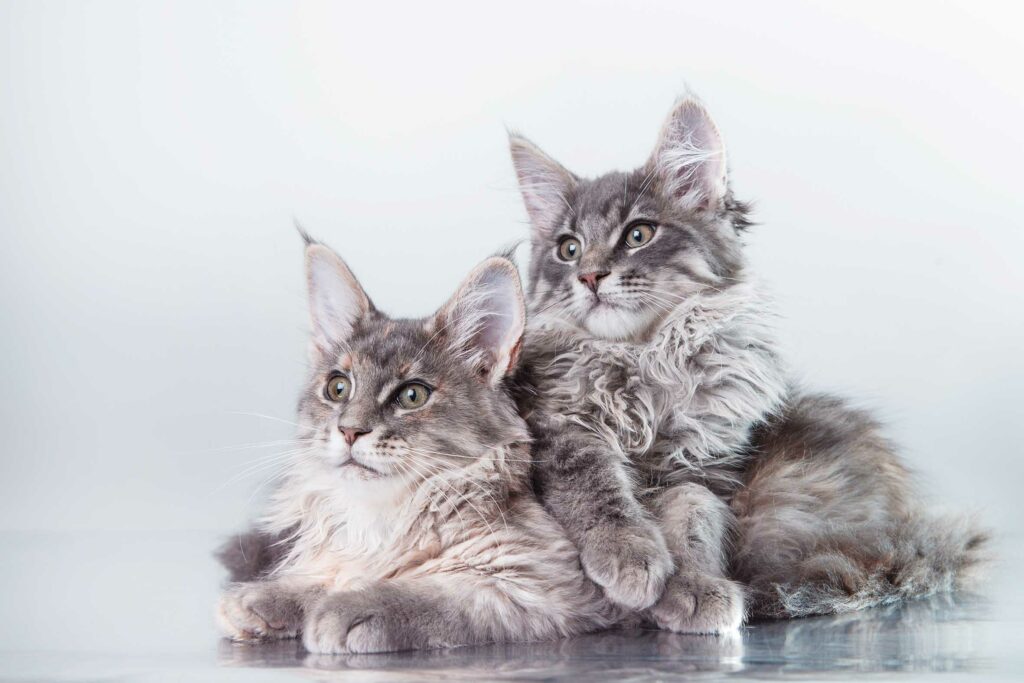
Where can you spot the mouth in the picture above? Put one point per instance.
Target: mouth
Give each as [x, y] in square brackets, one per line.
[352, 463]
[598, 301]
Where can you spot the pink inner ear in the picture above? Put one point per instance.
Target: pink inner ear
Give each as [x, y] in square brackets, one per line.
[501, 320]
[487, 317]
[691, 157]
[336, 299]
[545, 184]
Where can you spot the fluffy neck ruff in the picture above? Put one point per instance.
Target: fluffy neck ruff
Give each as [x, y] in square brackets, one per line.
[389, 524]
[683, 402]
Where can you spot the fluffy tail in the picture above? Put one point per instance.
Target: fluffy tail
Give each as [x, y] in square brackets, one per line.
[919, 558]
[251, 555]
[826, 524]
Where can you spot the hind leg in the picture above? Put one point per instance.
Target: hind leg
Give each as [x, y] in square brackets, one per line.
[698, 598]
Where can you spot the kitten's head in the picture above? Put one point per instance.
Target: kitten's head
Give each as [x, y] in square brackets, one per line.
[616, 253]
[397, 400]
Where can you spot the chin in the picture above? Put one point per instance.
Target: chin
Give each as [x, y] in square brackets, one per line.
[617, 323]
[358, 473]
[369, 487]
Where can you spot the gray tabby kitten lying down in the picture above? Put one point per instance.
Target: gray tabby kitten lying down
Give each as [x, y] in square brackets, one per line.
[407, 521]
[668, 441]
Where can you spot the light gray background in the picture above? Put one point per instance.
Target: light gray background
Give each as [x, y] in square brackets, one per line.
[153, 156]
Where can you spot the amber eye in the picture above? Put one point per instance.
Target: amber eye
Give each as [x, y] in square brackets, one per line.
[413, 395]
[338, 388]
[638, 235]
[569, 249]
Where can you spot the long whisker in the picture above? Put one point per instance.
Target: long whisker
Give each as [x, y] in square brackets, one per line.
[404, 469]
[265, 417]
[478, 485]
[255, 445]
[656, 303]
[463, 496]
[431, 481]
[703, 286]
[473, 457]
[667, 303]
[266, 463]
[552, 304]
[305, 457]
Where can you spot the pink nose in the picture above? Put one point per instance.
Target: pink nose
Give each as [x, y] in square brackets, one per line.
[593, 280]
[353, 433]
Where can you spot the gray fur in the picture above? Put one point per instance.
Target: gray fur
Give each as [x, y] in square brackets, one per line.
[662, 416]
[423, 531]
[699, 598]
[829, 520]
[588, 487]
[248, 556]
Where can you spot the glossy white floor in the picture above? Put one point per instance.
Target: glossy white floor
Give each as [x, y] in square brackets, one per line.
[139, 607]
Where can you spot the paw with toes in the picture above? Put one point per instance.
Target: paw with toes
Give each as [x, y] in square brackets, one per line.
[257, 611]
[699, 604]
[631, 563]
[353, 622]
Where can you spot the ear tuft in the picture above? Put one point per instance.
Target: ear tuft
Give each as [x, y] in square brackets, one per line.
[484, 320]
[690, 157]
[303, 233]
[545, 184]
[336, 301]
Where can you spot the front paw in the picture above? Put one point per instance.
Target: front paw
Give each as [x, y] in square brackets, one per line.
[631, 563]
[696, 603]
[355, 622]
[258, 611]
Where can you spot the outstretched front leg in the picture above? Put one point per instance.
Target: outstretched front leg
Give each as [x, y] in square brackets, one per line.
[387, 617]
[588, 490]
[698, 598]
[522, 582]
[263, 610]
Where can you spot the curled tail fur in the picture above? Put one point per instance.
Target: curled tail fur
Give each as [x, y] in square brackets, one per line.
[252, 554]
[827, 521]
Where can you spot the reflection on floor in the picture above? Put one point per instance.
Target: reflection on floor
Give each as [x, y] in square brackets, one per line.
[930, 636]
[139, 606]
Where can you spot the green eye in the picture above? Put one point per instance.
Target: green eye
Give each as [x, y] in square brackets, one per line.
[569, 249]
[638, 235]
[413, 395]
[338, 388]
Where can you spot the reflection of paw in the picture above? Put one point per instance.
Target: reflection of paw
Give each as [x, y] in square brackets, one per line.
[695, 603]
[631, 563]
[356, 622]
[255, 611]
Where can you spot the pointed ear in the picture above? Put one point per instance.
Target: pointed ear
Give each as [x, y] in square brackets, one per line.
[484, 320]
[546, 185]
[690, 157]
[336, 301]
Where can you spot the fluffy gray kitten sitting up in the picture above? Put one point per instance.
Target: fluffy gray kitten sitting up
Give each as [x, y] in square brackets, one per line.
[668, 441]
[407, 520]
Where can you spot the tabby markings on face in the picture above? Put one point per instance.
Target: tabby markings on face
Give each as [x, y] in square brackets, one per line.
[617, 253]
[403, 400]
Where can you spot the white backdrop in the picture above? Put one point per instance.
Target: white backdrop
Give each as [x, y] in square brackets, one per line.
[153, 156]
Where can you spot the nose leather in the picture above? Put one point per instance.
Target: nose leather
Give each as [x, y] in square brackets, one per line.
[593, 280]
[352, 433]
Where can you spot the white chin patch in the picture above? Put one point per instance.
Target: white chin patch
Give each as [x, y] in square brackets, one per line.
[618, 323]
[375, 495]
[355, 473]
